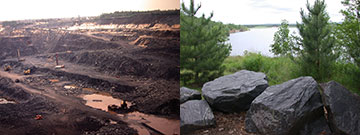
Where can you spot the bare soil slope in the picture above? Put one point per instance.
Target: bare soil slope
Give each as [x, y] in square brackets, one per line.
[132, 57]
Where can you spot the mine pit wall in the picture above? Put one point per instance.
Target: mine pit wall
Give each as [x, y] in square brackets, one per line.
[9, 46]
[132, 35]
[26, 107]
[9, 92]
[167, 106]
[46, 40]
[160, 33]
[111, 62]
[78, 79]
[158, 43]
[57, 41]
[158, 61]
[76, 42]
[87, 81]
[119, 64]
[49, 42]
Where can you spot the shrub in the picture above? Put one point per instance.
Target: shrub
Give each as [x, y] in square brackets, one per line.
[348, 75]
[277, 69]
[253, 62]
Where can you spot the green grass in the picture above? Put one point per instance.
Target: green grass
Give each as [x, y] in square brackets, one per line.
[282, 69]
[348, 75]
[278, 69]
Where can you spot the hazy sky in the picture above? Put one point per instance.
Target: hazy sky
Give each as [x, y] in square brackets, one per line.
[261, 11]
[35, 9]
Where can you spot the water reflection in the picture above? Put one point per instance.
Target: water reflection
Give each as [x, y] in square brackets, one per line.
[256, 40]
[164, 125]
[102, 101]
[136, 120]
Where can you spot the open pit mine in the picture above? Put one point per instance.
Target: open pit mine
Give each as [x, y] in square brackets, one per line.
[114, 74]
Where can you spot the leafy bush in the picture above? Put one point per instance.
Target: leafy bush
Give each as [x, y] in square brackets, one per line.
[282, 69]
[185, 78]
[277, 69]
[233, 64]
[348, 75]
[253, 62]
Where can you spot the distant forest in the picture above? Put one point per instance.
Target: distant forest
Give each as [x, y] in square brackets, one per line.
[120, 14]
[266, 25]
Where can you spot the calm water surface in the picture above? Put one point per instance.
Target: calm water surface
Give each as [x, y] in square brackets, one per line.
[255, 40]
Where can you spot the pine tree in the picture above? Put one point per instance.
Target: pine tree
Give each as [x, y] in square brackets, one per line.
[203, 46]
[316, 42]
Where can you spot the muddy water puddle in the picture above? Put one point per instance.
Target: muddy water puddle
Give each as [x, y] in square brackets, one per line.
[102, 102]
[145, 124]
[163, 125]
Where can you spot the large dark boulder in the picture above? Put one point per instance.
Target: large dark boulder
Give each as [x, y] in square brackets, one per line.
[235, 92]
[285, 109]
[343, 109]
[189, 94]
[195, 114]
[317, 127]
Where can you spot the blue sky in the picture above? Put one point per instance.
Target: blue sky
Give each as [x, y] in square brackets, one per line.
[261, 11]
[36, 9]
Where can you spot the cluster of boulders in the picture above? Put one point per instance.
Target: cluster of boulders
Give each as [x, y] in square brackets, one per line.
[298, 106]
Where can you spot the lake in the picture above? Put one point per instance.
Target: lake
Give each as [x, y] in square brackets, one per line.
[255, 40]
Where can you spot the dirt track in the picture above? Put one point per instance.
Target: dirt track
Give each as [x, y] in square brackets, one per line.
[97, 61]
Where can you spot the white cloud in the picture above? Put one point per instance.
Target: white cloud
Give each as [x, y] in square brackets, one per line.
[262, 11]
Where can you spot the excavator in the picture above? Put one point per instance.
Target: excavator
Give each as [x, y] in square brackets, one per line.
[7, 68]
[27, 72]
[120, 109]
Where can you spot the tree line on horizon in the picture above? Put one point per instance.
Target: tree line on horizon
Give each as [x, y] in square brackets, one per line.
[119, 14]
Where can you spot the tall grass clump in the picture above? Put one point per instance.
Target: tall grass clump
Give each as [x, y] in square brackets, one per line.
[281, 69]
[277, 69]
[347, 74]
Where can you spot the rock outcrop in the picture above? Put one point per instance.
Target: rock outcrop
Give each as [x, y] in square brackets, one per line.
[235, 92]
[189, 94]
[285, 109]
[343, 109]
[195, 114]
[317, 127]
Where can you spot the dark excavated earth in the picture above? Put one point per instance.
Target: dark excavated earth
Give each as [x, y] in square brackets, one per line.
[136, 61]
